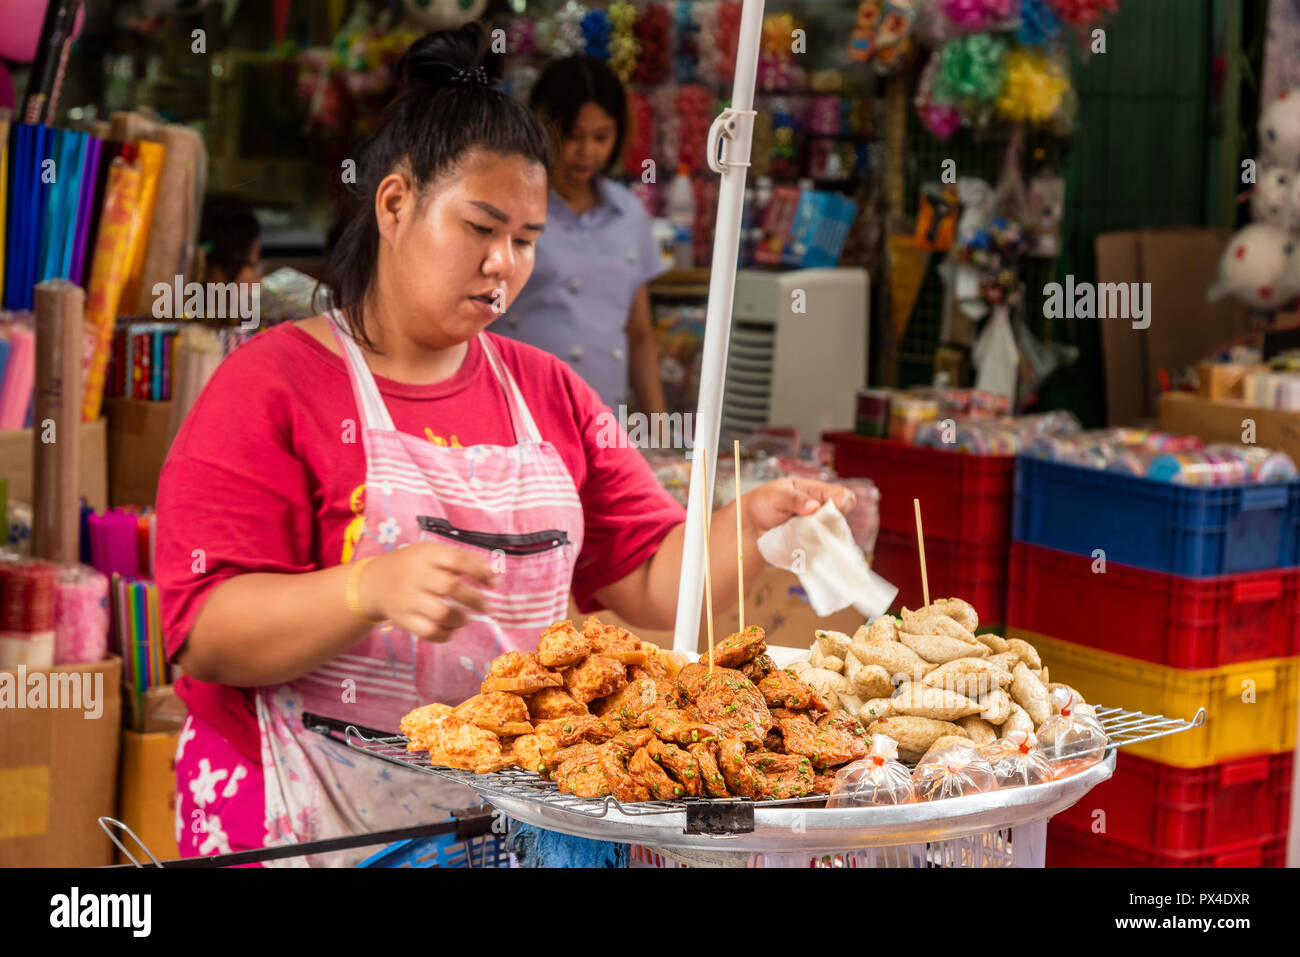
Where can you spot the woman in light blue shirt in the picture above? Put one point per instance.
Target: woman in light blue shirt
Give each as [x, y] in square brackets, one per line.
[588, 300]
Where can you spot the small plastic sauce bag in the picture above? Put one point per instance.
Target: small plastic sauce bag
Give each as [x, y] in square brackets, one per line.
[878, 779]
[954, 771]
[1071, 741]
[1017, 761]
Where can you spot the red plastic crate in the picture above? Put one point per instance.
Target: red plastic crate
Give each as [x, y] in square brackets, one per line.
[1070, 848]
[962, 495]
[957, 569]
[1169, 810]
[1167, 619]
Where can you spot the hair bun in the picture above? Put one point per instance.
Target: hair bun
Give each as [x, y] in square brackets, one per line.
[437, 59]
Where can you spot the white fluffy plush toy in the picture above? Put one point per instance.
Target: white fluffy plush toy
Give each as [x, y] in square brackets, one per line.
[1257, 268]
[442, 14]
[1271, 202]
[1279, 131]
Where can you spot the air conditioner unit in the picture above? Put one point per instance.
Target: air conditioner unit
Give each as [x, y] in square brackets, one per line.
[798, 350]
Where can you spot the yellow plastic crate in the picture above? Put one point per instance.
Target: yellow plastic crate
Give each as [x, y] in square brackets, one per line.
[1234, 725]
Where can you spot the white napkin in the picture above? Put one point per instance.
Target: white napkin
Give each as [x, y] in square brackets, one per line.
[819, 548]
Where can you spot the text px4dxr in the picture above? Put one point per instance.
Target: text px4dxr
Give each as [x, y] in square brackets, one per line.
[1225, 898]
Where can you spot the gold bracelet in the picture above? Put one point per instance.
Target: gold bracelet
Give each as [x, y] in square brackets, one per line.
[352, 593]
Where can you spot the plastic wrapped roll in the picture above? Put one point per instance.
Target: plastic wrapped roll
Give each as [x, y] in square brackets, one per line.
[906, 414]
[1262, 465]
[873, 413]
[27, 613]
[1198, 469]
[80, 615]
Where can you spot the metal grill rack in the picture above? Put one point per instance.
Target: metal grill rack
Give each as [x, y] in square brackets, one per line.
[517, 784]
[731, 828]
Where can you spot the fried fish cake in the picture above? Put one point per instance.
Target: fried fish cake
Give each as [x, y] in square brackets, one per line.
[706, 755]
[594, 677]
[743, 779]
[736, 649]
[528, 751]
[823, 783]
[421, 720]
[623, 784]
[628, 707]
[842, 731]
[582, 772]
[519, 672]
[654, 666]
[614, 642]
[644, 768]
[454, 743]
[759, 668]
[729, 700]
[553, 703]
[691, 679]
[784, 775]
[782, 689]
[676, 726]
[496, 711]
[562, 645]
[586, 727]
[680, 764]
[584, 751]
[827, 746]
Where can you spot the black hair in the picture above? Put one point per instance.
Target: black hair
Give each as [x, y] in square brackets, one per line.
[227, 232]
[442, 111]
[567, 85]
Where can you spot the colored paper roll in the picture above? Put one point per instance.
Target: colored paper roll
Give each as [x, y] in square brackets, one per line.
[107, 276]
[80, 616]
[151, 160]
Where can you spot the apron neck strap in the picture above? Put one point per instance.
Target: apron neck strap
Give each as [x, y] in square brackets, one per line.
[374, 412]
[522, 419]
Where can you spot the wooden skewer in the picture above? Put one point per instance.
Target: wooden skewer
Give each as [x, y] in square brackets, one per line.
[708, 579]
[740, 543]
[920, 544]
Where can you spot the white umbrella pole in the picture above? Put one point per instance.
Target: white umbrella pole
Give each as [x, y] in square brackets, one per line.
[734, 130]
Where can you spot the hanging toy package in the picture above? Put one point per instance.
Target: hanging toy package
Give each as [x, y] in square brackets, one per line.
[1017, 761]
[1072, 738]
[878, 779]
[955, 770]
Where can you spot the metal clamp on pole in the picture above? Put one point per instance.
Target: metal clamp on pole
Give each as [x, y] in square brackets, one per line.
[733, 130]
[109, 823]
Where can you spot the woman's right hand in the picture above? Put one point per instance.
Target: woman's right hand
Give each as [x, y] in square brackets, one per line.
[425, 588]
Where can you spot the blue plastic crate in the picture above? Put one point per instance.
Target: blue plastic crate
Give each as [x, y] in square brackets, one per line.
[443, 851]
[1156, 525]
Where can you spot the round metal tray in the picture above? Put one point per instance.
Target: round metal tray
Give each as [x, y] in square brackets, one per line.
[787, 828]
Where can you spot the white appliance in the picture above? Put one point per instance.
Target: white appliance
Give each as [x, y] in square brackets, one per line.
[798, 350]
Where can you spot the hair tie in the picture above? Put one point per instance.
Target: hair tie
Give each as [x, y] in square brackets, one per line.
[478, 75]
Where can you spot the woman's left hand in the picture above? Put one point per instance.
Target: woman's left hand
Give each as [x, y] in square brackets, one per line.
[772, 504]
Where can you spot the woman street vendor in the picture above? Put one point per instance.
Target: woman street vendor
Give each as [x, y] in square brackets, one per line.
[366, 507]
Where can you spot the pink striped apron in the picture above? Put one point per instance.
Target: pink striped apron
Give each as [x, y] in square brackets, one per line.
[518, 506]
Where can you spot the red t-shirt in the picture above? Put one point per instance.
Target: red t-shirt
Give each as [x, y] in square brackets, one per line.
[260, 480]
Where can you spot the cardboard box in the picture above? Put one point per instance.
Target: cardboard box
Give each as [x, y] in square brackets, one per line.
[1180, 265]
[158, 709]
[775, 602]
[146, 801]
[1221, 421]
[1224, 380]
[16, 463]
[138, 436]
[58, 766]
